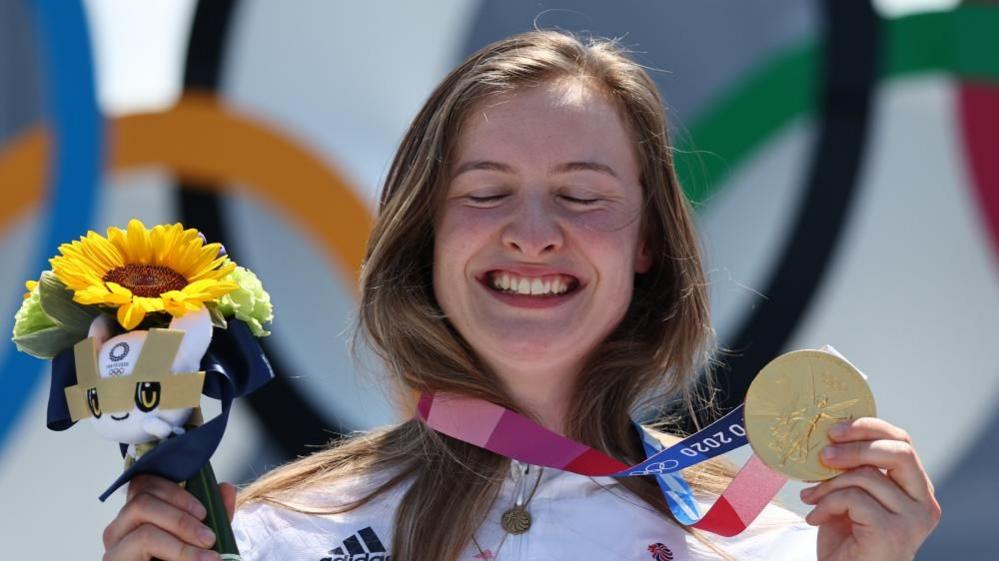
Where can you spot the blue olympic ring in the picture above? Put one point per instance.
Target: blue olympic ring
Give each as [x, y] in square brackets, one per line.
[76, 126]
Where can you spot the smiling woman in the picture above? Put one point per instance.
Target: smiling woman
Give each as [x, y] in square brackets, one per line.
[542, 213]
[534, 262]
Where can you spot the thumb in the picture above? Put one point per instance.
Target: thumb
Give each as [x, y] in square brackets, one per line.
[228, 492]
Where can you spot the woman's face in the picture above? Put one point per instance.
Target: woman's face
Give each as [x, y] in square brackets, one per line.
[537, 244]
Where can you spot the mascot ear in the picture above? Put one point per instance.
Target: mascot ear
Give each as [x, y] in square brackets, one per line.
[102, 328]
[197, 328]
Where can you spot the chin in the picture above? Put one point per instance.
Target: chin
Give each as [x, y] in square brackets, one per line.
[534, 351]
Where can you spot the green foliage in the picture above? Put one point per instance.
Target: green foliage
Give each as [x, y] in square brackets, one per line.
[57, 301]
[249, 303]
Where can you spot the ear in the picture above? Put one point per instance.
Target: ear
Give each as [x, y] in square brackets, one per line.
[643, 261]
[197, 328]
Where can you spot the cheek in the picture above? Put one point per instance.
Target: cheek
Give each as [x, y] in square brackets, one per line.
[610, 222]
[460, 233]
[610, 242]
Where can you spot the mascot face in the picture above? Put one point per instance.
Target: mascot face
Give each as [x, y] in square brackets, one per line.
[118, 356]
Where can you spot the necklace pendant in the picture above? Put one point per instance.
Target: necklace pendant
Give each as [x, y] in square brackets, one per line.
[516, 520]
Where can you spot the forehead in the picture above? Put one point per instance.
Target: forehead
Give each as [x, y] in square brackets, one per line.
[547, 124]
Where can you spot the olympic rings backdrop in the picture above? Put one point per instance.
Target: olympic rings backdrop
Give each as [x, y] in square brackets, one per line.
[842, 163]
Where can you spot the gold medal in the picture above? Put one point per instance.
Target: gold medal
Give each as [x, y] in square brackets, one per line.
[792, 403]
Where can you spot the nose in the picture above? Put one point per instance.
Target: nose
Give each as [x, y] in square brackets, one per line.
[533, 230]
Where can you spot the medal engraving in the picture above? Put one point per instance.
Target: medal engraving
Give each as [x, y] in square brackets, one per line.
[791, 405]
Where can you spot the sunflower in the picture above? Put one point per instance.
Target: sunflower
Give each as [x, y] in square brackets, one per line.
[139, 271]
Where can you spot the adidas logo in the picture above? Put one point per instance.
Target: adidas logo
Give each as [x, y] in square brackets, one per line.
[362, 546]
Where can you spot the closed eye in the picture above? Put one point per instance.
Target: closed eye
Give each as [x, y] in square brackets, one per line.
[479, 199]
[579, 201]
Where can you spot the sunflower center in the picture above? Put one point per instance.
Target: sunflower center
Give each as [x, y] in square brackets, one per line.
[146, 280]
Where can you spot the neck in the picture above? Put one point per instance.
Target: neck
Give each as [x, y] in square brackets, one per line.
[542, 395]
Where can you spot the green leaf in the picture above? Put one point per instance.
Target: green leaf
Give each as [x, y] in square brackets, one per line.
[218, 320]
[30, 317]
[47, 343]
[58, 304]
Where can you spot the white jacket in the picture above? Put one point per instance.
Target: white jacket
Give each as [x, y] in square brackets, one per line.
[574, 517]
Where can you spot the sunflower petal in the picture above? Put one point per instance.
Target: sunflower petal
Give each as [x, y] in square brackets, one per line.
[185, 261]
[130, 315]
[177, 303]
[164, 240]
[172, 304]
[203, 261]
[119, 290]
[209, 289]
[219, 271]
[30, 286]
[103, 251]
[140, 249]
[149, 304]
[96, 294]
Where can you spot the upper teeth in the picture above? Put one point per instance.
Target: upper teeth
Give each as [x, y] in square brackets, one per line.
[524, 285]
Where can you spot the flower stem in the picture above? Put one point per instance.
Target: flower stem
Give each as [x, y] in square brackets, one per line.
[206, 489]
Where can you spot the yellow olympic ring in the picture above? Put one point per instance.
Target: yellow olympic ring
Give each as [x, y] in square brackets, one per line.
[202, 141]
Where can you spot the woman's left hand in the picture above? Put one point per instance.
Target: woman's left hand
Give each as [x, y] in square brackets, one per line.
[882, 507]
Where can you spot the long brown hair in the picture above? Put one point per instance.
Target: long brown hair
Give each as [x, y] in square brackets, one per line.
[655, 350]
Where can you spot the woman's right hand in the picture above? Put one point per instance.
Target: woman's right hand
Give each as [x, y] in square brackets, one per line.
[162, 520]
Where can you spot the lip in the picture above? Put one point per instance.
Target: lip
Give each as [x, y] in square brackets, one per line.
[529, 271]
[120, 418]
[526, 301]
[531, 302]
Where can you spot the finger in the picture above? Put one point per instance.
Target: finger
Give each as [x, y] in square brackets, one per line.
[228, 491]
[867, 428]
[872, 428]
[859, 506]
[168, 492]
[895, 456]
[146, 509]
[869, 479]
[148, 541]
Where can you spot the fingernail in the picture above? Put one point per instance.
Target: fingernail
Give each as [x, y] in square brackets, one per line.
[208, 556]
[806, 492]
[198, 510]
[839, 429]
[830, 452]
[206, 536]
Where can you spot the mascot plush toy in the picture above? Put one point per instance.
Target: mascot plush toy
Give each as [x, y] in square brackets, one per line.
[142, 386]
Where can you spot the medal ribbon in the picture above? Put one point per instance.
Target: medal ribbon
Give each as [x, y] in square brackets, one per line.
[509, 434]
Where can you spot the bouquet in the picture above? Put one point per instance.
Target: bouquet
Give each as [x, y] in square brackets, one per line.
[138, 325]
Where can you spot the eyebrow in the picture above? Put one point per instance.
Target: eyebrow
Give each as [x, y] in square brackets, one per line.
[489, 165]
[585, 166]
[485, 165]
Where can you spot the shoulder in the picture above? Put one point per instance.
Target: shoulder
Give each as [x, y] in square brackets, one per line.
[309, 525]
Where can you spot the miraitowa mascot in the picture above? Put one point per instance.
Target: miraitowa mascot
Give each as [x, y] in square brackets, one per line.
[141, 387]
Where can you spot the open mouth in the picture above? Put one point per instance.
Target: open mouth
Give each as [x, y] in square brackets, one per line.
[120, 418]
[544, 286]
